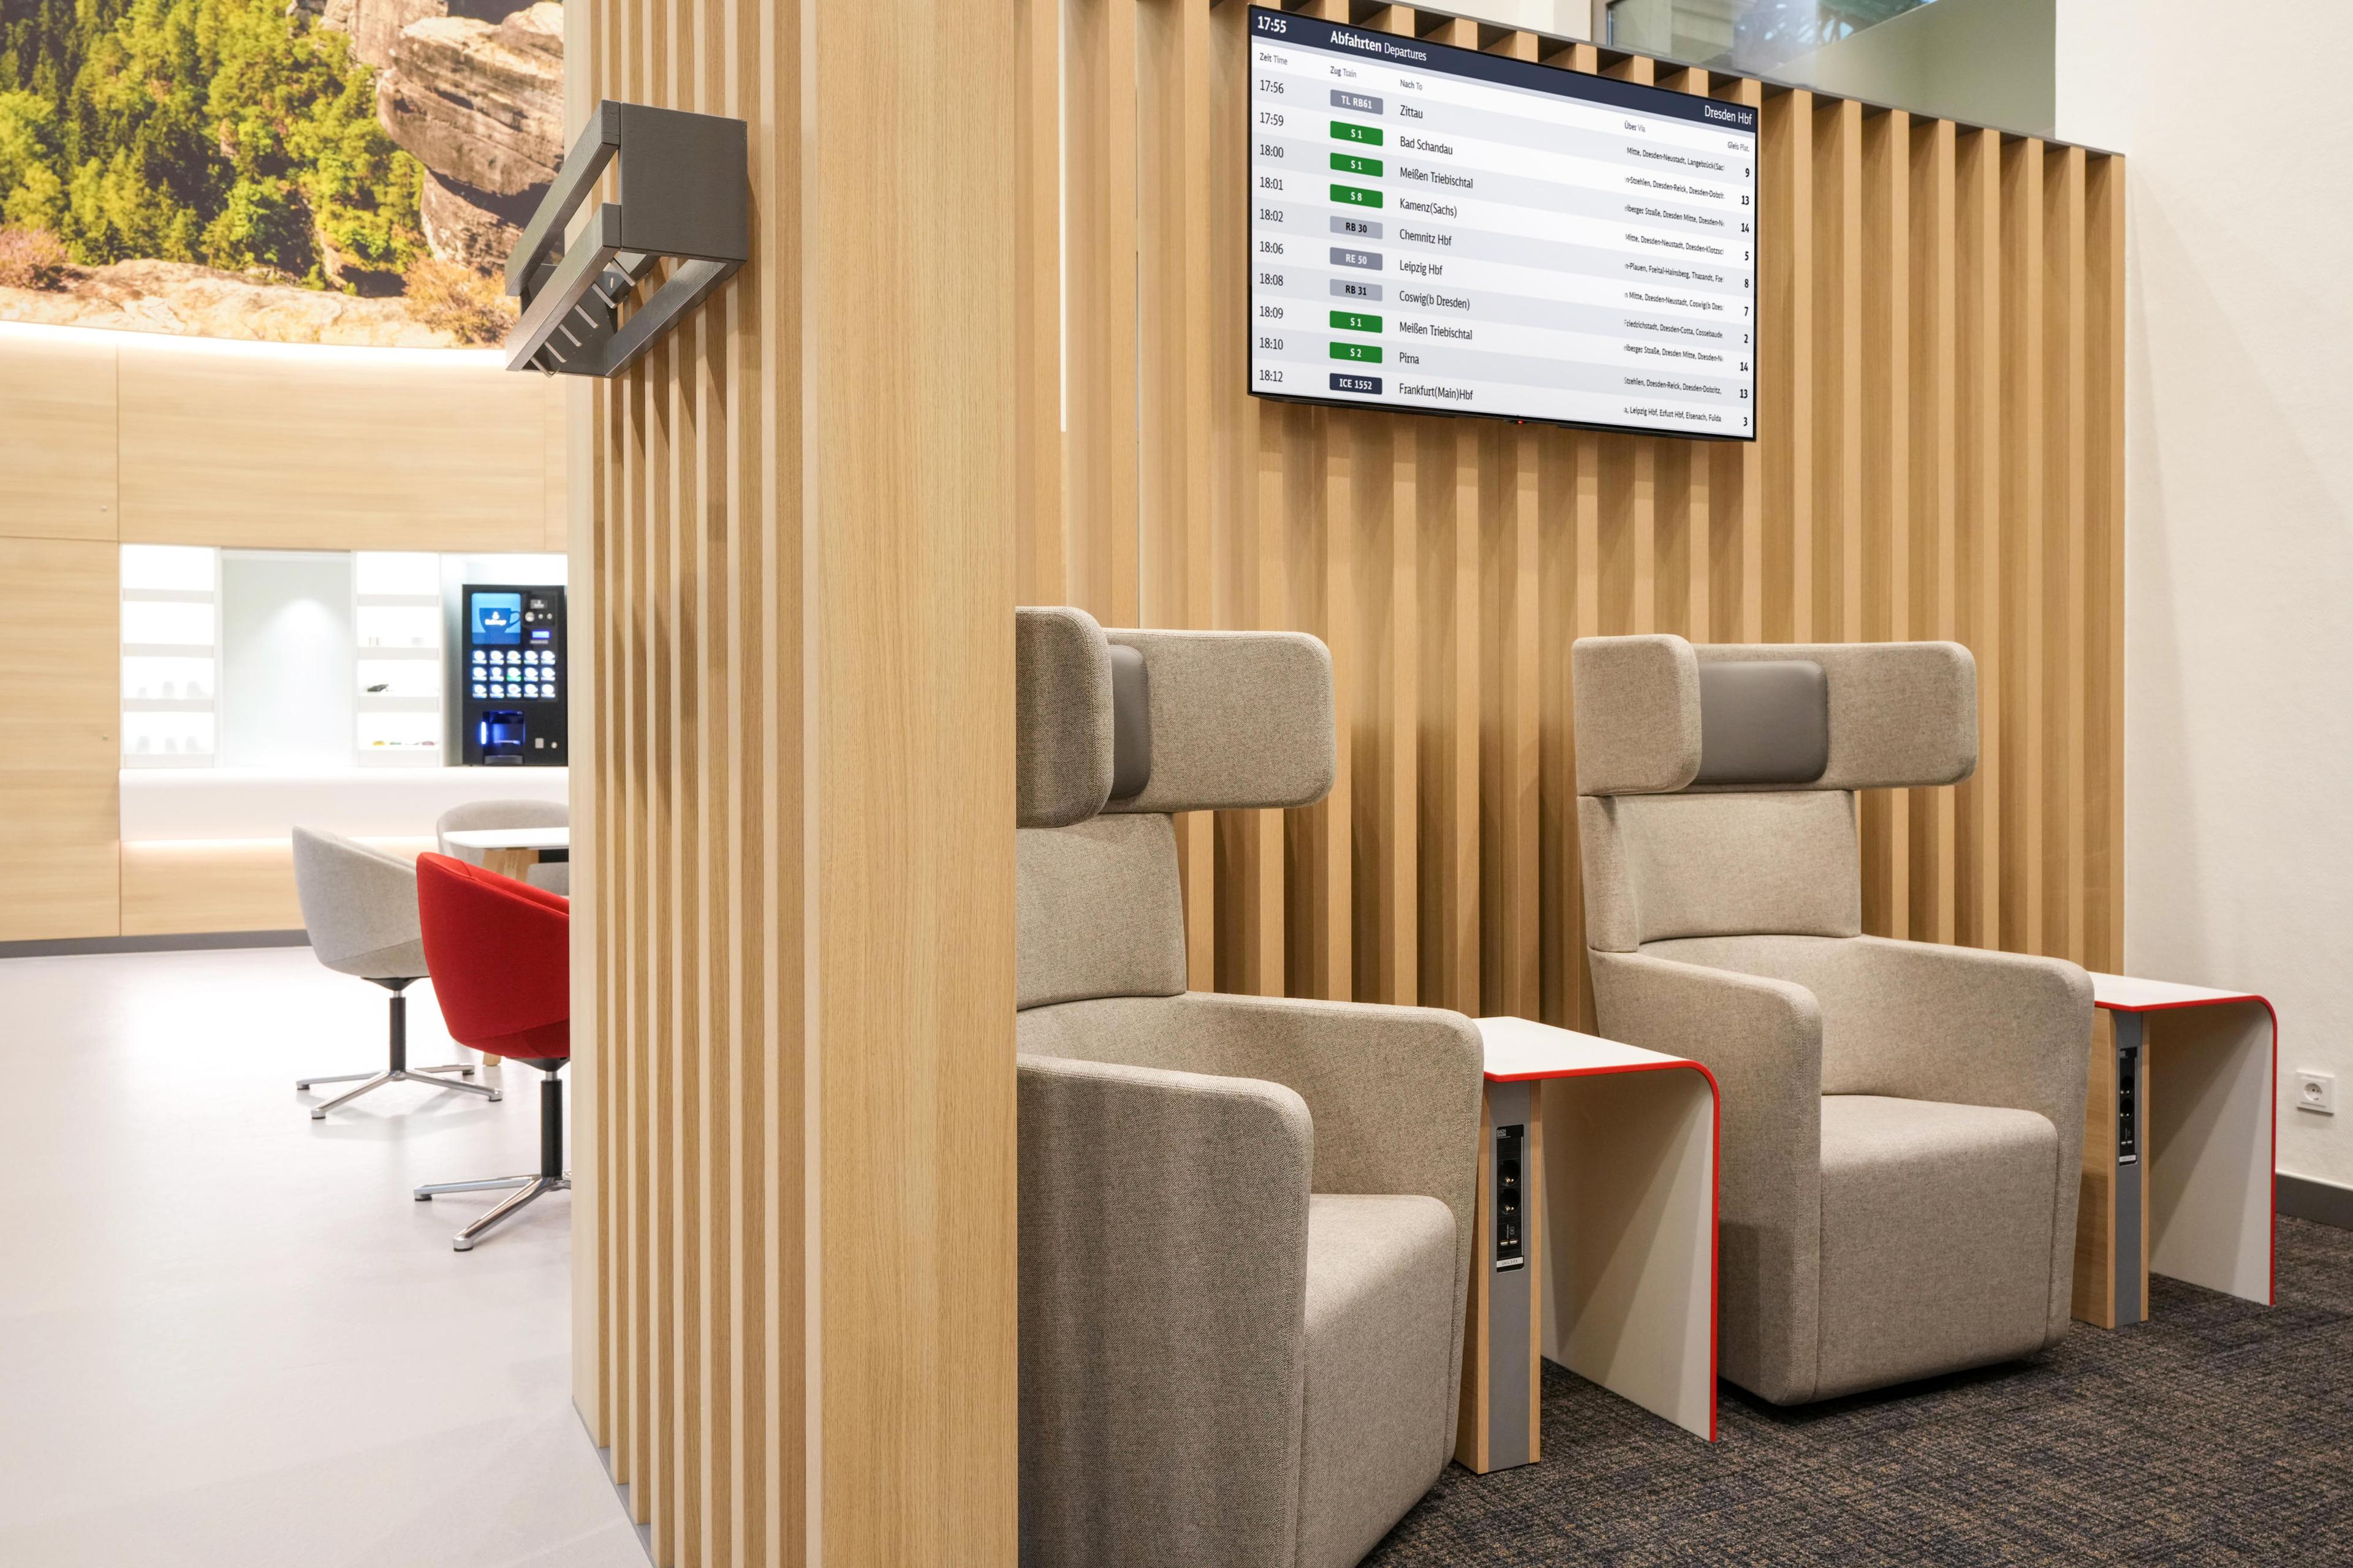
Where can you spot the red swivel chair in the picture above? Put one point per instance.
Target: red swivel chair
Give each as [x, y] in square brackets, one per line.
[501, 955]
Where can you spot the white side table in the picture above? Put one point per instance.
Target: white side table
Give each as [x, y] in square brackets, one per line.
[1594, 1242]
[2179, 1139]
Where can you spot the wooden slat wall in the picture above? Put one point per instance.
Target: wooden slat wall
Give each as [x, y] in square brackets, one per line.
[794, 992]
[778, 1187]
[1941, 413]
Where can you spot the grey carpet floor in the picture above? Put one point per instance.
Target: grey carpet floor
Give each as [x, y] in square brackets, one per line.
[2219, 1432]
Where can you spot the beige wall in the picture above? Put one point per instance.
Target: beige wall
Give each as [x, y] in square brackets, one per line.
[2239, 598]
[111, 438]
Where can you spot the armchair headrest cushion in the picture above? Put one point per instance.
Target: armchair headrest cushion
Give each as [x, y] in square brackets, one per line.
[1131, 723]
[1898, 714]
[1763, 723]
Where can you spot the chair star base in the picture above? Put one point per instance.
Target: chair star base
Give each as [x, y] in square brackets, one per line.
[533, 1187]
[397, 1068]
[397, 1075]
[551, 1177]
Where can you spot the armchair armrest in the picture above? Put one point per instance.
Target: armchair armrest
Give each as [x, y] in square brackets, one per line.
[1762, 1039]
[1919, 1020]
[1163, 1298]
[1964, 1025]
[1394, 1091]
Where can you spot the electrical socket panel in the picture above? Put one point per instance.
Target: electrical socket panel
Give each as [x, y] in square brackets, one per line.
[2316, 1092]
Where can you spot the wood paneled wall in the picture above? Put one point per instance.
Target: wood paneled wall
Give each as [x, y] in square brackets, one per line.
[108, 439]
[122, 438]
[793, 862]
[60, 670]
[1940, 456]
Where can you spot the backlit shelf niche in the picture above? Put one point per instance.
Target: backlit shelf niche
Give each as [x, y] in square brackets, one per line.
[396, 618]
[171, 655]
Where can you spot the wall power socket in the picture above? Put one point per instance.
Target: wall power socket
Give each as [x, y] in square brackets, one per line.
[2316, 1092]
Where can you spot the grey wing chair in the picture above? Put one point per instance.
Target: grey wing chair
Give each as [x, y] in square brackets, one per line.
[1245, 1222]
[1902, 1122]
[359, 906]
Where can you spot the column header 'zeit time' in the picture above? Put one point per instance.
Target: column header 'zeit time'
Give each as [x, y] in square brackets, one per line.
[1309, 32]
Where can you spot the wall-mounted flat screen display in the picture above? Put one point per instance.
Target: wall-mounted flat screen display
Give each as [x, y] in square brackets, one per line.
[1437, 230]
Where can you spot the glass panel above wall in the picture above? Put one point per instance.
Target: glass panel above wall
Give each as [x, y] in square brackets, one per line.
[1984, 62]
[1552, 18]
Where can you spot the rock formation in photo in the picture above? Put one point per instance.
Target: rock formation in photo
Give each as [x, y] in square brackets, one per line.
[474, 91]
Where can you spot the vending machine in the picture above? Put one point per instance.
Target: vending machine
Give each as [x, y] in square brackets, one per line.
[510, 676]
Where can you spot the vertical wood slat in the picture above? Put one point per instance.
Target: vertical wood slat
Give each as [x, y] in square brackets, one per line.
[1173, 468]
[1935, 281]
[1786, 343]
[1244, 498]
[1905, 359]
[1882, 520]
[2021, 546]
[2064, 797]
[1394, 769]
[1099, 224]
[1450, 785]
[1978, 491]
[1510, 609]
[1041, 563]
[2104, 589]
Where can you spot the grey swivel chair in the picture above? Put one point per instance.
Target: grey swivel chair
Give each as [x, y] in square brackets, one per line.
[1903, 1121]
[359, 906]
[556, 876]
[1245, 1222]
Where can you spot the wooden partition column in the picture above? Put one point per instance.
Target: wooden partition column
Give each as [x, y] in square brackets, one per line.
[1939, 358]
[793, 979]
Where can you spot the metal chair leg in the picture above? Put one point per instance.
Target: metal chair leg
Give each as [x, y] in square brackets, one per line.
[301, 1083]
[465, 1239]
[417, 1074]
[319, 1112]
[463, 1070]
[551, 1177]
[425, 1193]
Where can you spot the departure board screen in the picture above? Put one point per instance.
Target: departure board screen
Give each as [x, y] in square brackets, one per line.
[1439, 230]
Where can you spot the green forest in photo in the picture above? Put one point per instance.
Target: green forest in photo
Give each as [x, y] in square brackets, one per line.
[233, 133]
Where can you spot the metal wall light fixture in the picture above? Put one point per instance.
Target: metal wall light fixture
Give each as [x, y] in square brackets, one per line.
[684, 183]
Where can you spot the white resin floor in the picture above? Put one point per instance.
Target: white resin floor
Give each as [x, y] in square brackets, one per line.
[227, 1334]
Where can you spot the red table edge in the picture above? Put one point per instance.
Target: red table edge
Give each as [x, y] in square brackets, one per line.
[1715, 1190]
[2272, 1230]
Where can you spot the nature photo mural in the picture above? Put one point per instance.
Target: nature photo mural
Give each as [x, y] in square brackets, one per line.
[325, 171]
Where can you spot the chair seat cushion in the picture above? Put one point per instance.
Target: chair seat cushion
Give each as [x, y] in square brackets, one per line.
[1936, 1242]
[1380, 1357]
